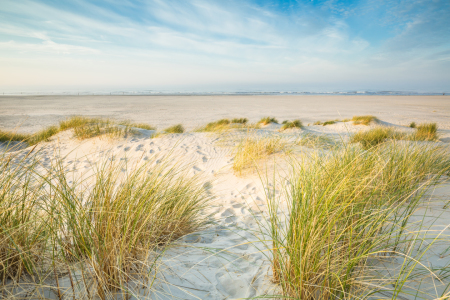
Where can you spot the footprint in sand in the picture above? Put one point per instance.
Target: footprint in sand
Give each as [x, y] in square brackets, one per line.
[233, 286]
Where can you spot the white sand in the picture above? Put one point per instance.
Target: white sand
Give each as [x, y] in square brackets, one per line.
[222, 261]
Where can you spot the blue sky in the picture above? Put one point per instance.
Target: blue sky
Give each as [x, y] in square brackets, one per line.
[225, 45]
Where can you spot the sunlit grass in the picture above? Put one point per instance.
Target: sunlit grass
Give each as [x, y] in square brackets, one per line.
[426, 132]
[343, 209]
[375, 136]
[364, 120]
[253, 147]
[11, 136]
[239, 120]
[174, 129]
[109, 226]
[267, 120]
[293, 124]
[22, 228]
[114, 224]
[83, 127]
[223, 125]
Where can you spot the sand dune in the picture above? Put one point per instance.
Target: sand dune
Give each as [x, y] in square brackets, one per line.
[225, 260]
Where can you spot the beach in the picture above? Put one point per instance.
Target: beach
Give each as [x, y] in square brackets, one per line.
[226, 259]
[32, 113]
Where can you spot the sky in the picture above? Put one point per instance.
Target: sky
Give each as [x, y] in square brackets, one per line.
[225, 45]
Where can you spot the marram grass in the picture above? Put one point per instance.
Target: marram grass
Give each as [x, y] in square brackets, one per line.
[175, 129]
[109, 226]
[22, 233]
[344, 209]
[254, 147]
[84, 127]
[12, 136]
[224, 125]
[115, 224]
[380, 134]
[364, 120]
[426, 132]
[293, 124]
[267, 120]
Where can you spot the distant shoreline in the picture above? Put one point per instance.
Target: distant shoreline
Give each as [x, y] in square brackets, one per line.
[367, 93]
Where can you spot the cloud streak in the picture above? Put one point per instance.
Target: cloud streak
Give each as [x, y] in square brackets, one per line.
[174, 43]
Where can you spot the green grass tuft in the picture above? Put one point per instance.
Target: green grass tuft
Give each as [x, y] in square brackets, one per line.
[10, 136]
[43, 135]
[267, 120]
[426, 132]
[364, 120]
[253, 148]
[175, 129]
[375, 136]
[329, 122]
[239, 120]
[412, 125]
[107, 227]
[293, 124]
[344, 209]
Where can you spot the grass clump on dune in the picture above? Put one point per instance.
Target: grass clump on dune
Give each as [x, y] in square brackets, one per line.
[375, 136]
[220, 125]
[239, 120]
[378, 135]
[23, 235]
[412, 125]
[364, 120]
[253, 148]
[43, 135]
[108, 227]
[84, 127]
[330, 122]
[102, 128]
[31, 139]
[10, 136]
[267, 120]
[293, 124]
[174, 129]
[225, 125]
[344, 209]
[426, 132]
[114, 225]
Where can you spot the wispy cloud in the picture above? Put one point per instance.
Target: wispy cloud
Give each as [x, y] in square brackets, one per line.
[209, 42]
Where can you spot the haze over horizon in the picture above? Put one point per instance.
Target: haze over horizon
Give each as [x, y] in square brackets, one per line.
[211, 45]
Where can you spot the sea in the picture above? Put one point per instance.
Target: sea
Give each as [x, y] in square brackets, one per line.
[148, 92]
